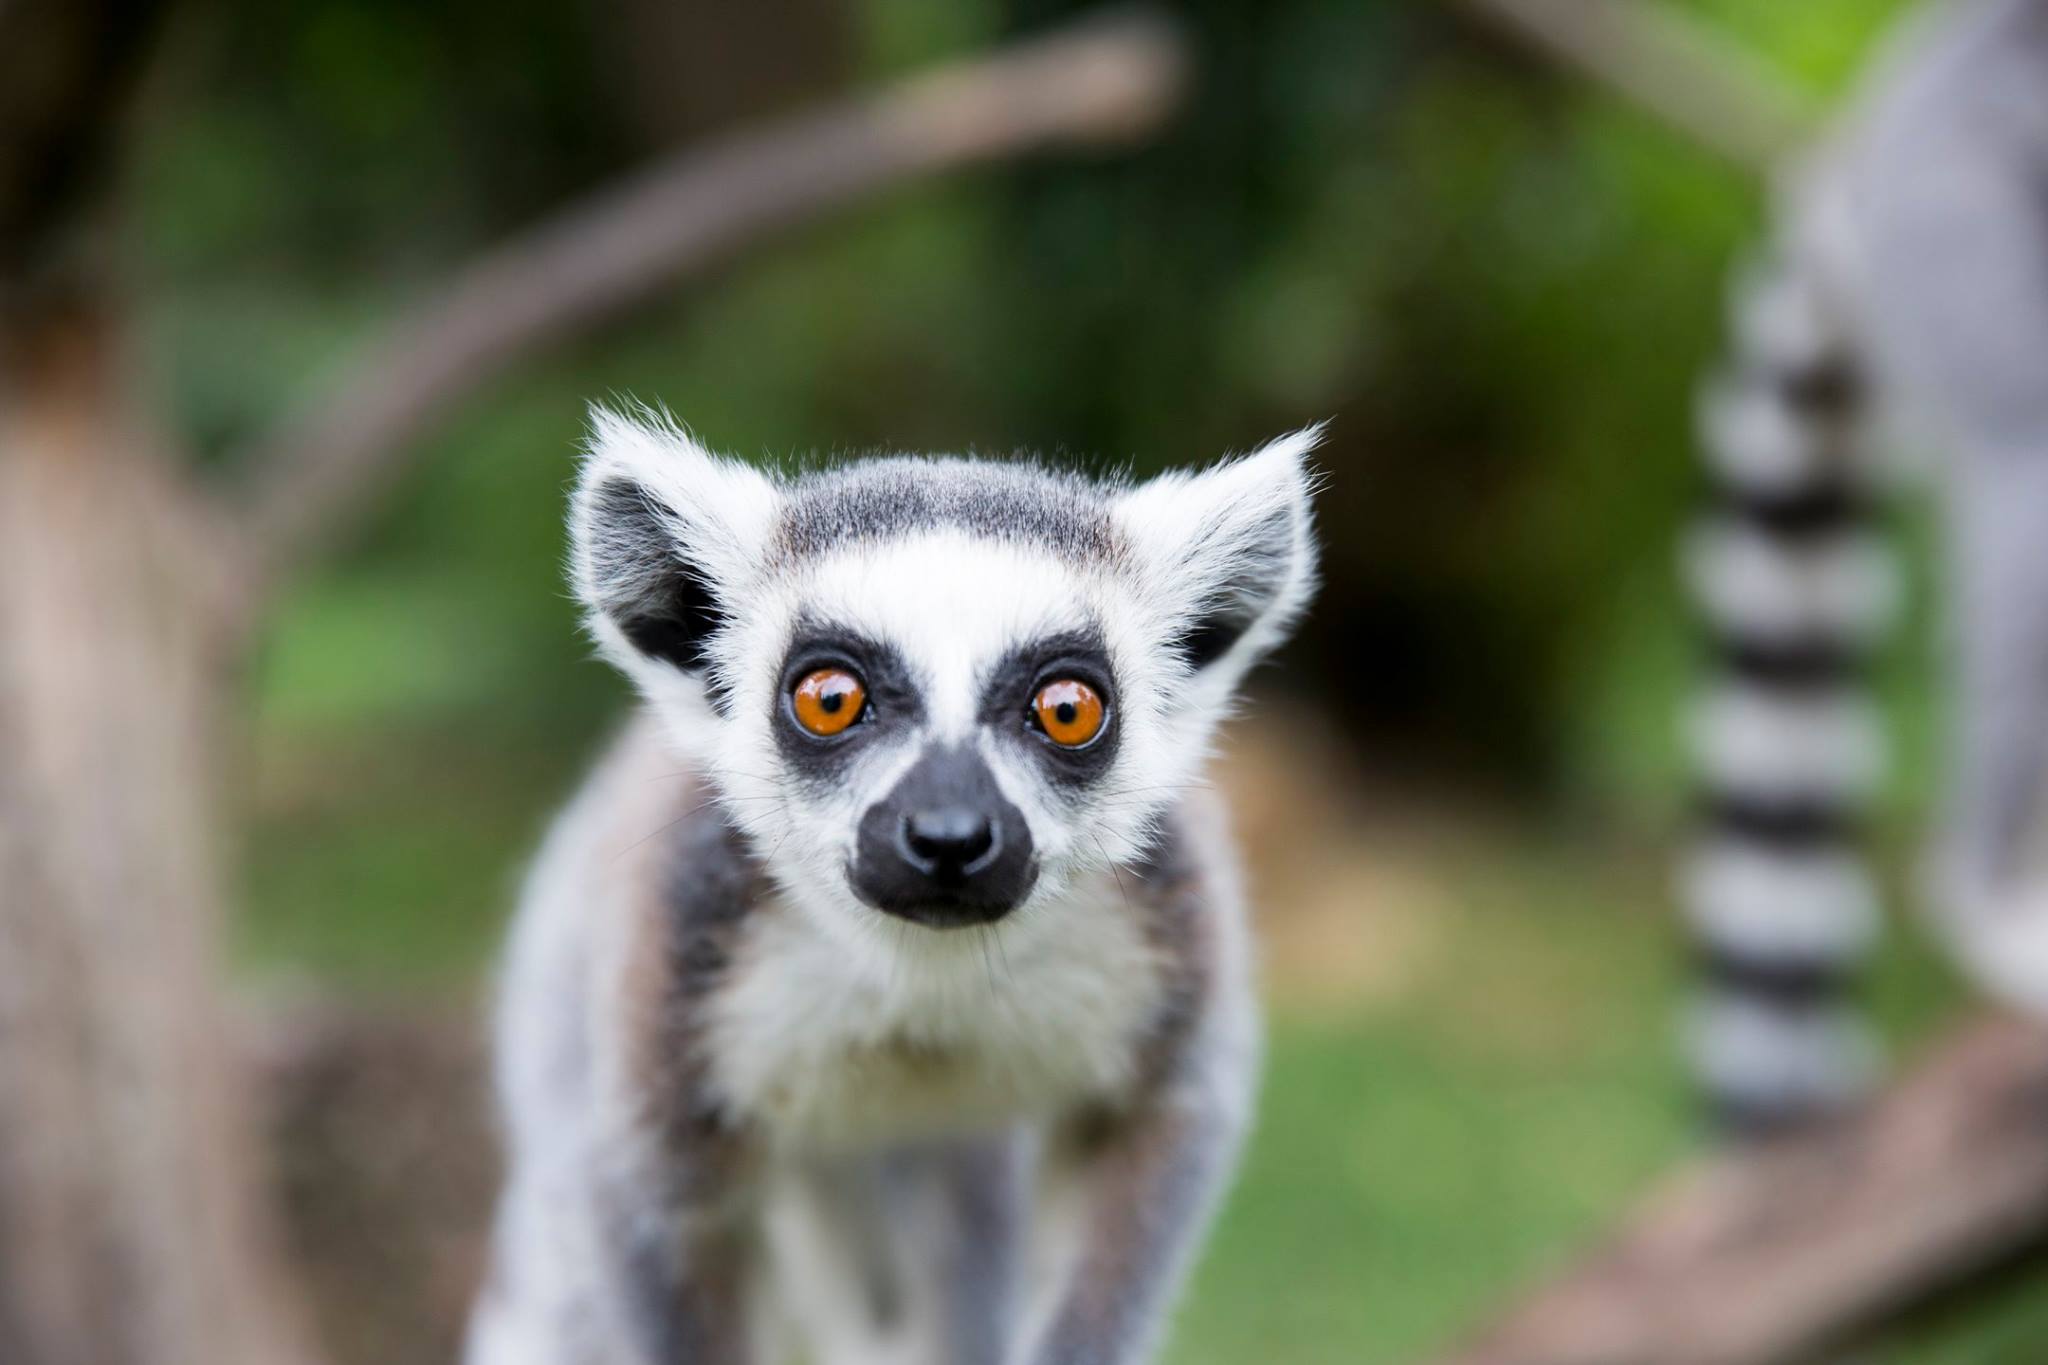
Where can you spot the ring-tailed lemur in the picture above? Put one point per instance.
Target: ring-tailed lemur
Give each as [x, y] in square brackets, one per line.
[1909, 278]
[886, 989]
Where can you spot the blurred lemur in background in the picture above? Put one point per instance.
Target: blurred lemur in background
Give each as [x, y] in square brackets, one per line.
[885, 995]
[1906, 286]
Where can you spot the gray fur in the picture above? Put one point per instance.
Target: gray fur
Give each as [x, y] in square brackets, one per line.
[1011, 500]
[984, 1198]
[1948, 180]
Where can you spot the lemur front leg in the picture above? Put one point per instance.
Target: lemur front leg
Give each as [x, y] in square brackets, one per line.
[980, 1247]
[681, 1256]
[913, 1254]
[1149, 1180]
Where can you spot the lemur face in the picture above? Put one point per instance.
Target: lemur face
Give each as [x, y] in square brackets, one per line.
[950, 714]
[937, 690]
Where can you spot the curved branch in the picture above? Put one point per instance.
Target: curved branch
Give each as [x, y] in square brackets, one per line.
[1671, 67]
[1104, 83]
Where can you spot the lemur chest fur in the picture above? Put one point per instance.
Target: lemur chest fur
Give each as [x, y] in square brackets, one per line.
[817, 1045]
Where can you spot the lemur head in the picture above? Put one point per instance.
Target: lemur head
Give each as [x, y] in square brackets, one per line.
[940, 689]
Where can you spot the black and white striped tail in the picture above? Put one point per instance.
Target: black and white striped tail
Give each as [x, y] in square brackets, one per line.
[1794, 587]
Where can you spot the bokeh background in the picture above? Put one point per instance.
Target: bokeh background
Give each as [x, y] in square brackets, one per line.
[1460, 788]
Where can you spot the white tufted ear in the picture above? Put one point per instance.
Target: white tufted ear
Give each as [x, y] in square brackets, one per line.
[663, 537]
[1228, 553]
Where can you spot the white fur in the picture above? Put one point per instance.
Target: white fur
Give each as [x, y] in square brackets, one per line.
[1756, 444]
[1778, 1059]
[1755, 586]
[973, 1030]
[1764, 742]
[1771, 905]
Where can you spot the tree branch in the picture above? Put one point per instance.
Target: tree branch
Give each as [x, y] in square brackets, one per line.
[1105, 83]
[1767, 1256]
[1678, 71]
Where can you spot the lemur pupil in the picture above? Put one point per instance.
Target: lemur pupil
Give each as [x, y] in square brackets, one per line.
[832, 701]
[1066, 711]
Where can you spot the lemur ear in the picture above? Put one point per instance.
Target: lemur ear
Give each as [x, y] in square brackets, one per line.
[1230, 549]
[663, 534]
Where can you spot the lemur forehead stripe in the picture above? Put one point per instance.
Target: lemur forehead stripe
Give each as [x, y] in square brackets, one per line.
[888, 498]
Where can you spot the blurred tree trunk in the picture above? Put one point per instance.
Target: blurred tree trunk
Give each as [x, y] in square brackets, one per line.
[129, 1223]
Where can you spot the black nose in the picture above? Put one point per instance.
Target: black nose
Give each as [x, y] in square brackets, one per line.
[948, 840]
[944, 848]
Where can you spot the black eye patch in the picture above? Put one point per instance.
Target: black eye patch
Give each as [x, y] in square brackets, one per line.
[1008, 690]
[893, 702]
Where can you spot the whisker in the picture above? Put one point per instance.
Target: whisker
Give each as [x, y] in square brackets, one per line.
[776, 848]
[995, 931]
[658, 831]
[701, 806]
[776, 779]
[900, 932]
[1198, 785]
[988, 968]
[1115, 872]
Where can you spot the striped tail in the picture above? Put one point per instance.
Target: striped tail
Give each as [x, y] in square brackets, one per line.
[1794, 588]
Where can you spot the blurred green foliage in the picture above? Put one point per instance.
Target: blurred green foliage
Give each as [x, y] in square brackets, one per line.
[1500, 284]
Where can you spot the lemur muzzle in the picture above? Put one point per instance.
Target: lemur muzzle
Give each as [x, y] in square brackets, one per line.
[944, 847]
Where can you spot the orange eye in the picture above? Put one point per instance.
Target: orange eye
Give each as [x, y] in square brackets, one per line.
[1069, 711]
[828, 701]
